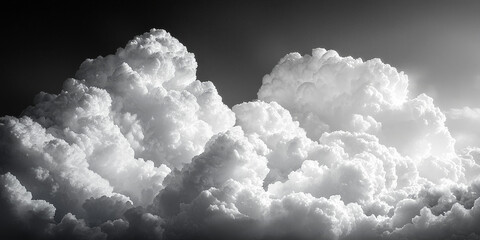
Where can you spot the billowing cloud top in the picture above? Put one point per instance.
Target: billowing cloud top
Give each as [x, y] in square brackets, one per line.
[135, 147]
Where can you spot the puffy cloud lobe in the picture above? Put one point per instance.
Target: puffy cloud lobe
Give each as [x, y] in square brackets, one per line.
[317, 89]
[136, 148]
[72, 228]
[165, 113]
[49, 167]
[445, 214]
[470, 159]
[229, 159]
[287, 144]
[21, 215]
[326, 92]
[305, 217]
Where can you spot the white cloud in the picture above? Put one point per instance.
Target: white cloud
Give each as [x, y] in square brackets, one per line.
[326, 92]
[286, 143]
[136, 148]
[166, 114]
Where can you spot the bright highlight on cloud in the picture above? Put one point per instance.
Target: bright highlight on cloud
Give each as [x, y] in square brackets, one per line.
[135, 147]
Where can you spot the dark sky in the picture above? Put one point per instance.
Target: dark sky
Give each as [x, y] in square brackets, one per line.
[237, 42]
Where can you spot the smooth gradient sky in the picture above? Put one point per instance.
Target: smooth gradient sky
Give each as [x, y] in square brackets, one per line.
[236, 43]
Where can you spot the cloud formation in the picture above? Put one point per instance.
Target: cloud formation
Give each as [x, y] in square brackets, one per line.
[135, 147]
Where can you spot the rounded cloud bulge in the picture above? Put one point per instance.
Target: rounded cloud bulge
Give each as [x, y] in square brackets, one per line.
[135, 147]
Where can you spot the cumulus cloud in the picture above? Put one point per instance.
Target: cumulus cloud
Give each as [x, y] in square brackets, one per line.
[135, 147]
[325, 92]
[22, 216]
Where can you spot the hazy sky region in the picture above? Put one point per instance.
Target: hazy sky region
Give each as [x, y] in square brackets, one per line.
[237, 43]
